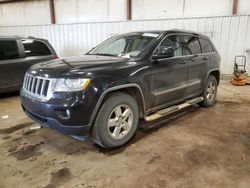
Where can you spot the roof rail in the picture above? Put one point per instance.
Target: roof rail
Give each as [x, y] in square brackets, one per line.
[195, 33]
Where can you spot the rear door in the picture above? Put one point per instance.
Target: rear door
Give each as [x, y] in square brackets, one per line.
[37, 51]
[169, 76]
[196, 65]
[11, 64]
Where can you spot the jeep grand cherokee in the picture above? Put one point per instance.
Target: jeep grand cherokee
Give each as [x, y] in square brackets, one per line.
[140, 75]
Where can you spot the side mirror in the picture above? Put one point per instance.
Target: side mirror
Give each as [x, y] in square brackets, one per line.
[164, 52]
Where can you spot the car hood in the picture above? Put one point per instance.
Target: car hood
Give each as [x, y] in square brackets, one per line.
[86, 63]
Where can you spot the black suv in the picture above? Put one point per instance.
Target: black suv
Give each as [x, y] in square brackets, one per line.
[139, 75]
[17, 54]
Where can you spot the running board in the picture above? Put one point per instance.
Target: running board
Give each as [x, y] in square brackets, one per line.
[172, 109]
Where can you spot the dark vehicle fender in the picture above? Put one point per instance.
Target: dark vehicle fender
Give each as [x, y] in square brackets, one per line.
[120, 88]
[215, 72]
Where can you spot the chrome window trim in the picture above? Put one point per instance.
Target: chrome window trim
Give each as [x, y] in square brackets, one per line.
[180, 34]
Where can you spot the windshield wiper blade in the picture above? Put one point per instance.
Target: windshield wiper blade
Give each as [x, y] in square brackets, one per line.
[103, 54]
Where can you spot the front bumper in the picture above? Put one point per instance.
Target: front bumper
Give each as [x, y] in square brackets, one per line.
[54, 124]
[69, 114]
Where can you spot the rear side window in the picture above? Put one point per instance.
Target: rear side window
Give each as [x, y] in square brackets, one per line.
[8, 50]
[205, 46]
[191, 45]
[35, 48]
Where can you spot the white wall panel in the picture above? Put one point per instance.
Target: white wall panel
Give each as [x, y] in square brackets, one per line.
[243, 7]
[73, 11]
[194, 8]
[160, 9]
[78, 11]
[66, 11]
[148, 9]
[230, 34]
[36, 12]
[117, 10]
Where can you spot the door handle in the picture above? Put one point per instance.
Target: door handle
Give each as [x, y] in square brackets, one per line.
[205, 58]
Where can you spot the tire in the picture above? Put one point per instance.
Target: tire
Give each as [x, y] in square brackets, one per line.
[209, 92]
[116, 122]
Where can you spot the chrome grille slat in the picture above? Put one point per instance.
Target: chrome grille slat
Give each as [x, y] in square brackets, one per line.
[30, 83]
[33, 84]
[38, 87]
[43, 84]
[26, 81]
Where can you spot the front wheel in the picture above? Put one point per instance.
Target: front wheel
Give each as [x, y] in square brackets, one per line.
[209, 92]
[116, 121]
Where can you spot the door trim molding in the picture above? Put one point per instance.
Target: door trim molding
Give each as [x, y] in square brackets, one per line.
[194, 83]
[170, 90]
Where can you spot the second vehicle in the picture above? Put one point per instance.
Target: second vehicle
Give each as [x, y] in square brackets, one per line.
[17, 54]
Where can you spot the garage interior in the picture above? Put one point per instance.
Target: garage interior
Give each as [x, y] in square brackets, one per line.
[195, 147]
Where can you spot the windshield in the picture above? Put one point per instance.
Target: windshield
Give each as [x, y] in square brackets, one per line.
[130, 45]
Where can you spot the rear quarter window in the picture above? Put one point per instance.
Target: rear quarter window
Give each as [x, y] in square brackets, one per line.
[8, 50]
[35, 48]
[206, 46]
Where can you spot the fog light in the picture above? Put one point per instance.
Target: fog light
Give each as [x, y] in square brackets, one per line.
[63, 113]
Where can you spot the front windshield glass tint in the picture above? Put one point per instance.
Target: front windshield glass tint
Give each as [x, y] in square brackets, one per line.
[125, 45]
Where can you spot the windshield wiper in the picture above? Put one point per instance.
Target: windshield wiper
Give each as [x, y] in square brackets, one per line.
[103, 54]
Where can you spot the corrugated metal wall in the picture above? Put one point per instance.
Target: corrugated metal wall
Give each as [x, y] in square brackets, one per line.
[230, 34]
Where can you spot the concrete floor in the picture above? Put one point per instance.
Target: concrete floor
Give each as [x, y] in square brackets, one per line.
[202, 147]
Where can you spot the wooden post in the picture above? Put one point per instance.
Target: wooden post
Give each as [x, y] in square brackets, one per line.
[235, 6]
[52, 11]
[129, 9]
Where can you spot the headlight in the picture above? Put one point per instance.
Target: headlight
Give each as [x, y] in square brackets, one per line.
[68, 85]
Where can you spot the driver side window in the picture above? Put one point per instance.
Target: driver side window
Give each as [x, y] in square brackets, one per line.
[173, 41]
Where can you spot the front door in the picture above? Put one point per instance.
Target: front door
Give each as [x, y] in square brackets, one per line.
[169, 76]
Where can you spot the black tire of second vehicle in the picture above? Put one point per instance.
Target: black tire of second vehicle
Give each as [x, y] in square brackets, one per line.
[100, 132]
[206, 102]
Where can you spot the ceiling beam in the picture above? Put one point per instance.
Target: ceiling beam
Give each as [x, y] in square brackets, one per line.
[13, 1]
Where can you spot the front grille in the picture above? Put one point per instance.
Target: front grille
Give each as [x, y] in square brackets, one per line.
[38, 87]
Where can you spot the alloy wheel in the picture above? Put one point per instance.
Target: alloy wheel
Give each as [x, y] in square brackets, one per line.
[120, 121]
[211, 91]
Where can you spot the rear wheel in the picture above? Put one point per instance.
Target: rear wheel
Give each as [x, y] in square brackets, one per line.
[116, 121]
[209, 92]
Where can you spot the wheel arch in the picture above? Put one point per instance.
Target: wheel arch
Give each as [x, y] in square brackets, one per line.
[132, 89]
[216, 74]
